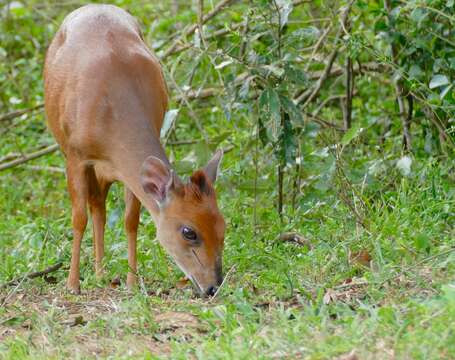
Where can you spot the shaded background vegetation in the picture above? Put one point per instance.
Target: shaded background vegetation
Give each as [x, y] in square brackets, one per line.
[338, 123]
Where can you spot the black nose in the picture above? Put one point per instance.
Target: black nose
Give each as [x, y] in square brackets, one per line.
[211, 290]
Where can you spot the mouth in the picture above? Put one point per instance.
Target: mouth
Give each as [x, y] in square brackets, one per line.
[196, 286]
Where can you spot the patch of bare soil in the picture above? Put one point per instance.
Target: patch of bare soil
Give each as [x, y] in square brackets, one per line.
[81, 319]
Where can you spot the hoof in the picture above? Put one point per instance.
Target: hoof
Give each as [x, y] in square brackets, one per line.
[73, 289]
[131, 281]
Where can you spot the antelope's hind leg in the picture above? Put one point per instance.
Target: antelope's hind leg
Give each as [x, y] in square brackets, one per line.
[97, 193]
[77, 185]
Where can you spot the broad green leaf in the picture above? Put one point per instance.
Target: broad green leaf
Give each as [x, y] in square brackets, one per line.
[291, 109]
[445, 90]
[404, 165]
[284, 8]
[273, 69]
[274, 107]
[415, 72]
[270, 108]
[438, 80]
[168, 121]
[295, 75]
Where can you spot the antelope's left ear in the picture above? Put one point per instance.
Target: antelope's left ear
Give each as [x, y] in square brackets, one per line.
[213, 166]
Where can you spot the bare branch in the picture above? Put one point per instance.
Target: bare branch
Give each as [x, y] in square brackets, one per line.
[400, 94]
[34, 275]
[34, 155]
[197, 94]
[189, 31]
[14, 114]
[307, 99]
[53, 169]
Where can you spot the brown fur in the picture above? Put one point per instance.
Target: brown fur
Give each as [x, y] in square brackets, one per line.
[105, 100]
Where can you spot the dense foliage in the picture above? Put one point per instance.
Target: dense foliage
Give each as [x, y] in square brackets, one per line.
[338, 121]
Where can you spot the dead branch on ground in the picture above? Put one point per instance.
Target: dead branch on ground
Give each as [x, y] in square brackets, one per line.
[33, 275]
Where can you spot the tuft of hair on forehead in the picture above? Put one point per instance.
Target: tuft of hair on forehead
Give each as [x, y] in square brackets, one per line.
[199, 185]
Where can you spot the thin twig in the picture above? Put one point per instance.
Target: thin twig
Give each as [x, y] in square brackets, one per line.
[197, 94]
[326, 101]
[217, 9]
[10, 156]
[53, 169]
[306, 100]
[231, 270]
[28, 157]
[317, 47]
[347, 115]
[14, 114]
[400, 92]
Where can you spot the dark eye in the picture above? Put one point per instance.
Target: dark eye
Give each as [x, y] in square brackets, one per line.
[188, 233]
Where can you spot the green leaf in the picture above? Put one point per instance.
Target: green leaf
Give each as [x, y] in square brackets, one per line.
[202, 152]
[169, 120]
[269, 103]
[439, 80]
[415, 72]
[352, 133]
[284, 8]
[295, 75]
[291, 109]
[183, 166]
[404, 165]
[219, 138]
[422, 242]
[445, 90]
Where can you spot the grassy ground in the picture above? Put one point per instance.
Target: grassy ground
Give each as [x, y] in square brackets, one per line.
[382, 292]
[374, 277]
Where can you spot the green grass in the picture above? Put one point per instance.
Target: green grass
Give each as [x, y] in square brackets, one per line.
[275, 301]
[376, 277]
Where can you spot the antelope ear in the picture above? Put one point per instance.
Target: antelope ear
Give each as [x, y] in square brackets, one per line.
[213, 166]
[157, 179]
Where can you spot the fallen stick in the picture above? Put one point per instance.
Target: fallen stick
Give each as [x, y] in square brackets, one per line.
[33, 275]
[29, 157]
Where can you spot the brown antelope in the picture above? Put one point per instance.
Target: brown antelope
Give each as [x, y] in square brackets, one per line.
[105, 100]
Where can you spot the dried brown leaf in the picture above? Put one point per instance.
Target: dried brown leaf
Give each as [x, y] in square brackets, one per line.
[294, 238]
[362, 257]
[115, 282]
[182, 283]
